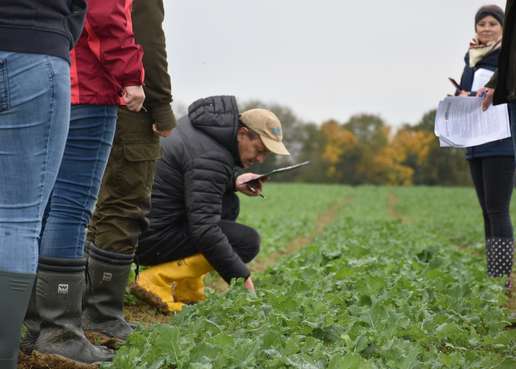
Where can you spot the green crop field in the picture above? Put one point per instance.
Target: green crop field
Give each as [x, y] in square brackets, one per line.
[355, 278]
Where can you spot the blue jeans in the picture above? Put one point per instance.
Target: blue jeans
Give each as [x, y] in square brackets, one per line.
[92, 128]
[34, 118]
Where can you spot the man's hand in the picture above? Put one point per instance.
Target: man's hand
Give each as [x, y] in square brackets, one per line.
[133, 97]
[248, 283]
[165, 133]
[463, 93]
[488, 94]
[250, 189]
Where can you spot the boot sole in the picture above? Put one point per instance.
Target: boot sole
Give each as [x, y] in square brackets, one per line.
[149, 298]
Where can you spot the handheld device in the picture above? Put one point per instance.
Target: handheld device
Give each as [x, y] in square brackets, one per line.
[277, 171]
[455, 84]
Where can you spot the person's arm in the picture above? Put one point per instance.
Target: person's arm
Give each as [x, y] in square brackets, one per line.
[206, 180]
[112, 41]
[488, 91]
[148, 16]
[464, 79]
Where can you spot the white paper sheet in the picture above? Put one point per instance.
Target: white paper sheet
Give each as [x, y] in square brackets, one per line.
[460, 122]
[443, 142]
[482, 76]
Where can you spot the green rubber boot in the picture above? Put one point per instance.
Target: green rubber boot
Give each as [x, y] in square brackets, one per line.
[15, 290]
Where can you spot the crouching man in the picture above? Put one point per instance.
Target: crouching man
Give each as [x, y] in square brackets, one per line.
[193, 227]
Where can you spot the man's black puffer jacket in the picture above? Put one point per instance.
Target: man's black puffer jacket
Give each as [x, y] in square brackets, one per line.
[193, 176]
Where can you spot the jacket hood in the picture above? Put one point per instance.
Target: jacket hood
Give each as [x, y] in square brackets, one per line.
[217, 117]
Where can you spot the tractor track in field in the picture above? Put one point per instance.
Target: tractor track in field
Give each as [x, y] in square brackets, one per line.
[261, 264]
[323, 221]
[392, 203]
[392, 209]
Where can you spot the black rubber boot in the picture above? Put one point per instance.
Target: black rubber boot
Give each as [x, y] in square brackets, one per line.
[104, 299]
[59, 292]
[31, 324]
[500, 253]
[15, 290]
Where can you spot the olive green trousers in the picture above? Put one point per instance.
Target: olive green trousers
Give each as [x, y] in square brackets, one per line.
[122, 208]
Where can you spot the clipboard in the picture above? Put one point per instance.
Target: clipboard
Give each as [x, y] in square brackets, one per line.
[278, 171]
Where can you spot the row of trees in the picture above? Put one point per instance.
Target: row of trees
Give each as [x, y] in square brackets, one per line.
[366, 150]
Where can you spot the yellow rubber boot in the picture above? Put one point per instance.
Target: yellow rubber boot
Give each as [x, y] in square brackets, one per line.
[190, 290]
[193, 266]
[155, 288]
[154, 285]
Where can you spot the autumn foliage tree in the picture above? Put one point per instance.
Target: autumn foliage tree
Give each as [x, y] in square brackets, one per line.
[338, 142]
[405, 155]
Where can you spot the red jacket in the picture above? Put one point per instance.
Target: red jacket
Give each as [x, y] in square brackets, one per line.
[106, 58]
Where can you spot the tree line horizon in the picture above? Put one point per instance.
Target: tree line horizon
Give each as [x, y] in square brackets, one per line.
[365, 150]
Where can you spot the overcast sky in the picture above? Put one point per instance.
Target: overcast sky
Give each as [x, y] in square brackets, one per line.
[324, 59]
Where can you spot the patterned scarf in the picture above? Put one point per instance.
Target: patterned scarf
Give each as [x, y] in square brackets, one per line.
[478, 51]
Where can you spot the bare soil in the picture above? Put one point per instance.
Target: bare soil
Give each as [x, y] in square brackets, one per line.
[144, 314]
[44, 361]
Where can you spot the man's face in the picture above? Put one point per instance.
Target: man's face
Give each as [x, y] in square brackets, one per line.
[250, 147]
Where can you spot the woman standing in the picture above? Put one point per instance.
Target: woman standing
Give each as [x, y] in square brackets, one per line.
[491, 164]
[36, 37]
[107, 71]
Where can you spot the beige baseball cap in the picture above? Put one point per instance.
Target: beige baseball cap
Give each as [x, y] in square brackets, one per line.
[267, 125]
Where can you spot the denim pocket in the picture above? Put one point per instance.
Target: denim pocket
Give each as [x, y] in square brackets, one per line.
[4, 88]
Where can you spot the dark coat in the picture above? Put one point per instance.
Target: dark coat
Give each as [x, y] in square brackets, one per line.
[505, 78]
[495, 148]
[41, 26]
[148, 16]
[193, 177]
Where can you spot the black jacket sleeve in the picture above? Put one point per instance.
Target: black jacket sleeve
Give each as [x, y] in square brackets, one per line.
[207, 179]
[463, 80]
